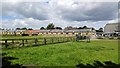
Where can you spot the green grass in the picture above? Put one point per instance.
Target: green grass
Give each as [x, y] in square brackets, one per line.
[66, 54]
[17, 37]
[39, 36]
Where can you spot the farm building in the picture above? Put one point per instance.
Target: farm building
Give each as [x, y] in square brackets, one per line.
[12, 32]
[111, 30]
[111, 27]
[32, 32]
[44, 32]
[50, 32]
[56, 31]
[81, 31]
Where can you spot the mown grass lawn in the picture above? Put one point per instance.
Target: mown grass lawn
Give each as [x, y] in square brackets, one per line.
[66, 54]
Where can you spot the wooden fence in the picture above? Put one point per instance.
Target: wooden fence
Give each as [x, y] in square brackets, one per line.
[34, 41]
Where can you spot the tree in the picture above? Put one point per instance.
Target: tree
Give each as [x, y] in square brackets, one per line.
[80, 28]
[93, 28]
[84, 27]
[50, 26]
[101, 29]
[17, 28]
[30, 29]
[24, 28]
[42, 28]
[58, 28]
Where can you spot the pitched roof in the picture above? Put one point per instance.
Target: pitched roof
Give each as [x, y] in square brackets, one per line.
[32, 31]
[79, 30]
[44, 30]
[57, 30]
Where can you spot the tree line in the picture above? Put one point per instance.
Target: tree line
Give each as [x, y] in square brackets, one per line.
[51, 26]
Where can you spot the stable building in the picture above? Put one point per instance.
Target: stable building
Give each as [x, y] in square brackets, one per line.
[111, 30]
[12, 32]
[44, 32]
[81, 32]
[54, 32]
[111, 27]
[57, 31]
[32, 32]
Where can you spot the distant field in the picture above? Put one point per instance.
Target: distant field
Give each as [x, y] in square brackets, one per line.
[66, 54]
[16, 37]
[39, 36]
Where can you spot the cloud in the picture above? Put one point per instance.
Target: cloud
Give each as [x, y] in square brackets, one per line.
[60, 12]
[26, 22]
[25, 10]
[75, 11]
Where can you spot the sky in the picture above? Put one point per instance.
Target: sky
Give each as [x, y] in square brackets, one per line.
[61, 13]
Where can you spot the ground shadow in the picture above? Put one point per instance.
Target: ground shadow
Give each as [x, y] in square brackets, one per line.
[98, 64]
[7, 64]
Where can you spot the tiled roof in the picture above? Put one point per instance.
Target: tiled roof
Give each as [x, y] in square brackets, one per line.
[32, 31]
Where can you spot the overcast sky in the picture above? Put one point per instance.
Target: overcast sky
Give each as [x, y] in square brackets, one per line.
[60, 12]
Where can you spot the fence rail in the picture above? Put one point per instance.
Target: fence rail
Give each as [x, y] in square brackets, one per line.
[34, 41]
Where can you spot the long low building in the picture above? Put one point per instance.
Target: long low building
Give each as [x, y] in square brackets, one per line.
[84, 32]
[12, 32]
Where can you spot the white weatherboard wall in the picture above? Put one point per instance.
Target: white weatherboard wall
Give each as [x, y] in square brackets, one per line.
[111, 27]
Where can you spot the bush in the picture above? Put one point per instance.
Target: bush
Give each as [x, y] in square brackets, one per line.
[100, 38]
[25, 34]
[111, 38]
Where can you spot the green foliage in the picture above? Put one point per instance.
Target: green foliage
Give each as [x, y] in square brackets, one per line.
[17, 37]
[58, 28]
[66, 54]
[80, 28]
[50, 26]
[99, 30]
[24, 28]
[84, 27]
[30, 29]
[42, 28]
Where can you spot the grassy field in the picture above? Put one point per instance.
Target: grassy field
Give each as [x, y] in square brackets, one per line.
[39, 36]
[66, 54]
[17, 37]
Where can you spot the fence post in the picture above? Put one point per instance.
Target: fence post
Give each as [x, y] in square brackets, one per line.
[67, 39]
[71, 39]
[44, 40]
[6, 44]
[36, 40]
[26, 41]
[58, 40]
[23, 42]
[52, 39]
[12, 41]
[63, 39]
